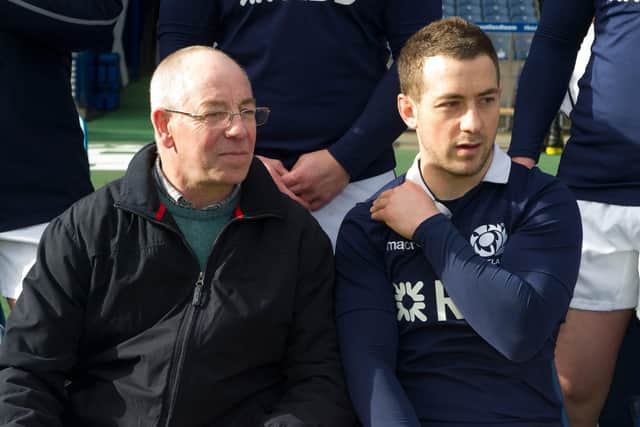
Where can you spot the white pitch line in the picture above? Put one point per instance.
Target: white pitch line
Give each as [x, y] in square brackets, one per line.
[111, 157]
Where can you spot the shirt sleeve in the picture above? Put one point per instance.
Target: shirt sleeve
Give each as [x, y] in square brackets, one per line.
[180, 26]
[367, 327]
[517, 305]
[63, 24]
[546, 72]
[379, 125]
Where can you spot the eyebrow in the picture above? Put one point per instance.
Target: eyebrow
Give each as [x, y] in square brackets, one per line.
[492, 91]
[220, 104]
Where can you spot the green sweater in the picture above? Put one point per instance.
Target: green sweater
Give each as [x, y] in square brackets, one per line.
[201, 227]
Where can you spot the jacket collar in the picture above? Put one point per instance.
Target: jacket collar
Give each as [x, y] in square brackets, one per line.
[139, 191]
[498, 173]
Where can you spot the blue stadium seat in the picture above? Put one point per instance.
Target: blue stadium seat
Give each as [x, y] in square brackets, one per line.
[449, 3]
[520, 2]
[464, 3]
[524, 18]
[448, 10]
[496, 9]
[495, 17]
[522, 10]
[502, 44]
[521, 45]
[471, 17]
[502, 3]
[470, 10]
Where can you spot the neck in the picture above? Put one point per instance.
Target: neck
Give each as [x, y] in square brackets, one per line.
[206, 195]
[450, 186]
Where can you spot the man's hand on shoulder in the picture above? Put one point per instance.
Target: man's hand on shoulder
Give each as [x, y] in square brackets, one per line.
[276, 169]
[524, 161]
[403, 208]
[317, 178]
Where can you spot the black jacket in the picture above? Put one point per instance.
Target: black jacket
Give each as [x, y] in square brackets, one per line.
[115, 307]
[44, 166]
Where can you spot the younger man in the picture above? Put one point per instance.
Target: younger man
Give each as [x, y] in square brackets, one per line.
[453, 281]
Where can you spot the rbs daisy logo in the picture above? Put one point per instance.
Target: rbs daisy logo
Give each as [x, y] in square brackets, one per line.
[488, 240]
[410, 301]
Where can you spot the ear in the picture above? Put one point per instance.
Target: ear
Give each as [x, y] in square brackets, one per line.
[161, 126]
[408, 111]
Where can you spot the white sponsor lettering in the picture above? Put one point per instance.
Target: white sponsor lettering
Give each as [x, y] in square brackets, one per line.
[443, 302]
[400, 245]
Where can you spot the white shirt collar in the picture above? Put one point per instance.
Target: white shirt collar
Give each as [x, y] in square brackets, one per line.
[498, 173]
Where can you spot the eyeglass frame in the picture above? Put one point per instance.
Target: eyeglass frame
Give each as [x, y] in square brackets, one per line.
[229, 118]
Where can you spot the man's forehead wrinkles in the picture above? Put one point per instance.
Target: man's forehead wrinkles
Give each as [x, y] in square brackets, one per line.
[215, 103]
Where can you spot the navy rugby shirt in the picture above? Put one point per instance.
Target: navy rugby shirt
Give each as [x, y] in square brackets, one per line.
[458, 325]
[321, 66]
[601, 162]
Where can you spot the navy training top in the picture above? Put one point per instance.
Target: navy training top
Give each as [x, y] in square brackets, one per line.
[44, 166]
[601, 162]
[458, 326]
[321, 66]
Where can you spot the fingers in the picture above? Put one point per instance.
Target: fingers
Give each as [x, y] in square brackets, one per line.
[524, 161]
[378, 206]
[300, 200]
[277, 170]
[319, 203]
[274, 166]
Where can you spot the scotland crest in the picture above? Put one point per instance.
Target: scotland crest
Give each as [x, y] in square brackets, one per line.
[489, 240]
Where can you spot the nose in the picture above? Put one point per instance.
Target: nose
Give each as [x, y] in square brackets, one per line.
[236, 127]
[471, 121]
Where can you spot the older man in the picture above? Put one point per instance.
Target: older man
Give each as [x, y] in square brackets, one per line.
[191, 292]
[453, 282]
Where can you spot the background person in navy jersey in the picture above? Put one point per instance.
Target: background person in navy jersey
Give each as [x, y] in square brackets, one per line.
[322, 67]
[43, 166]
[600, 164]
[454, 279]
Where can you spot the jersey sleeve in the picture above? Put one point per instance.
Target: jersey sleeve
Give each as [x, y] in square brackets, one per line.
[546, 72]
[517, 305]
[180, 26]
[379, 124]
[367, 328]
[62, 24]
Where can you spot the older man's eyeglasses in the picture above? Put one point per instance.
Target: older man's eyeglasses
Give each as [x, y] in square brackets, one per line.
[220, 119]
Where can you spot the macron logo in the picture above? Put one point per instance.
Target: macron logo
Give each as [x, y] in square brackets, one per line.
[400, 245]
[252, 2]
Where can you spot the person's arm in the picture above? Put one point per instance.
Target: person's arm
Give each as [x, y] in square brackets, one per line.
[40, 346]
[546, 73]
[180, 26]
[62, 24]
[315, 392]
[518, 304]
[515, 305]
[379, 125]
[367, 326]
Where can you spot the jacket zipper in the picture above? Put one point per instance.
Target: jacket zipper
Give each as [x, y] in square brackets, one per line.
[176, 370]
[197, 301]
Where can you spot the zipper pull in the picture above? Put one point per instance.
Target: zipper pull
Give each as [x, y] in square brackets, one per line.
[198, 293]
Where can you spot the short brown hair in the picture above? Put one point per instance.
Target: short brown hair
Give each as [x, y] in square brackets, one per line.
[452, 37]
